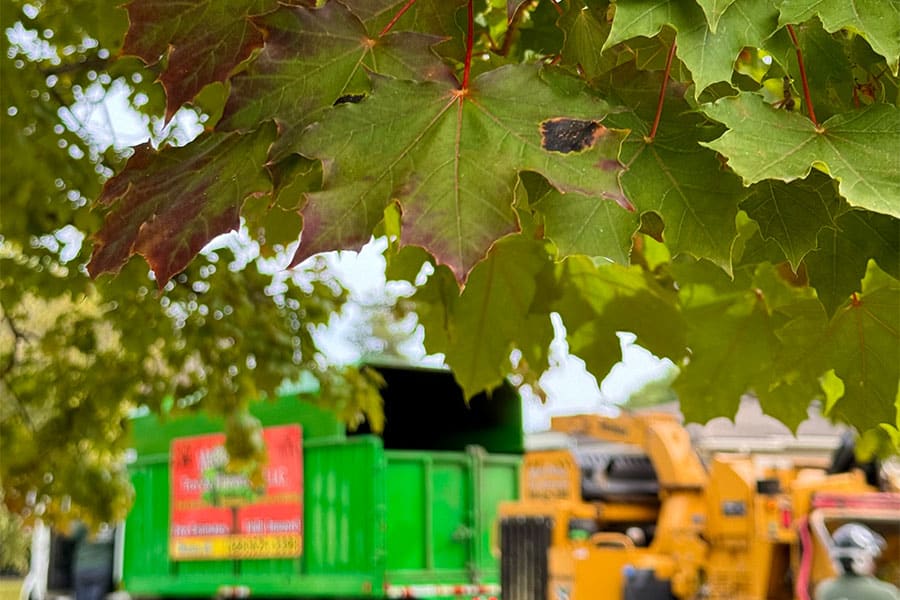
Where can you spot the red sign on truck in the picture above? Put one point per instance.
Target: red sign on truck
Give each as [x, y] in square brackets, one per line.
[221, 515]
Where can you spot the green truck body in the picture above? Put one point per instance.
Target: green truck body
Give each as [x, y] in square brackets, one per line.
[409, 513]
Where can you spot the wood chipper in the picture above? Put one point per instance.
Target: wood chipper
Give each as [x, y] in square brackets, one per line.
[630, 511]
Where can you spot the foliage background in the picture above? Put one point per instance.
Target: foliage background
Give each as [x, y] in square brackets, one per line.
[672, 169]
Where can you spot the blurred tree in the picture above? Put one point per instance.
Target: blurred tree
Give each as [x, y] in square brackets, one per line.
[13, 543]
[384, 328]
[78, 356]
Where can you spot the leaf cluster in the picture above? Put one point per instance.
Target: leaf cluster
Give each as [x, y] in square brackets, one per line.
[79, 358]
[718, 178]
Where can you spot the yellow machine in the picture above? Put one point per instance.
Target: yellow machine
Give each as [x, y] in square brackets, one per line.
[640, 516]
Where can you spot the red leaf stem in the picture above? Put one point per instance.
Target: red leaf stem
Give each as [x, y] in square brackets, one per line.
[396, 17]
[470, 33]
[662, 93]
[806, 96]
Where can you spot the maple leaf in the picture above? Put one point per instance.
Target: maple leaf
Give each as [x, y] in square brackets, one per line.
[586, 30]
[167, 205]
[731, 338]
[877, 22]
[580, 225]
[671, 174]
[836, 268]
[829, 62]
[201, 40]
[598, 300]
[451, 159]
[314, 58]
[433, 17]
[486, 321]
[858, 149]
[861, 342]
[708, 53]
[786, 385]
[793, 213]
[714, 9]
[576, 224]
[274, 220]
[435, 304]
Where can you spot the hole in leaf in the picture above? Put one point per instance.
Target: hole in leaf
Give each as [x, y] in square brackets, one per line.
[570, 135]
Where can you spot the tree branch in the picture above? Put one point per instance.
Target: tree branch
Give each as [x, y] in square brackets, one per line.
[20, 337]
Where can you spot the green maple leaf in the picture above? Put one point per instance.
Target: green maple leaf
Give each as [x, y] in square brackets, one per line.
[580, 224]
[599, 300]
[786, 387]
[866, 356]
[695, 197]
[837, 267]
[859, 149]
[828, 62]
[433, 17]
[709, 54]
[586, 29]
[877, 21]
[792, 214]
[795, 371]
[714, 9]
[451, 159]
[672, 175]
[313, 58]
[167, 205]
[861, 343]
[202, 41]
[731, 338]
[487, 319]
[435, 304]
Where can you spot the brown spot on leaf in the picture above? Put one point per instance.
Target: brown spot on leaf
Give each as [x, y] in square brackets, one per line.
[610, 164]
[800, 279]
[570, 135]
[349, 99]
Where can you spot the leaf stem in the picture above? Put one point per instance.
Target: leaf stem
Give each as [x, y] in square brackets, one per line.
[396, 17]
[662, 93]
[470, 34]
[806, 96]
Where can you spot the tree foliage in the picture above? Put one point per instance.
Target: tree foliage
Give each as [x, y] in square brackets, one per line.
[77, 357]
[538, 152]
[718, 178]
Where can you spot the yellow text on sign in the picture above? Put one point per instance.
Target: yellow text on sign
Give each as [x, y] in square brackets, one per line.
[235, 547]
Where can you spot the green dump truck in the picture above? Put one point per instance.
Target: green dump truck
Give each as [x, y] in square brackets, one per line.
[407, 513]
